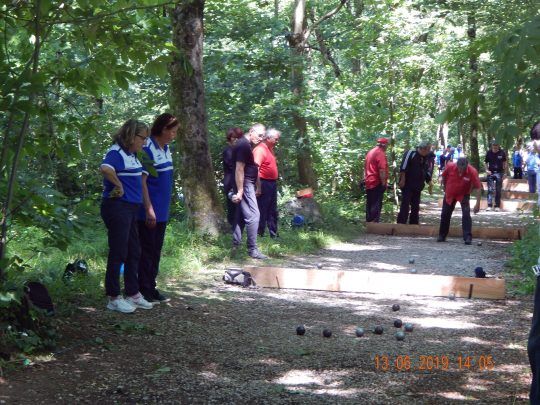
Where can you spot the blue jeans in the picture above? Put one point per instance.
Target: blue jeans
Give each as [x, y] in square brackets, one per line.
[120, 218]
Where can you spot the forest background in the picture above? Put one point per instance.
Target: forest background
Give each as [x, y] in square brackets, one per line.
[331, 75]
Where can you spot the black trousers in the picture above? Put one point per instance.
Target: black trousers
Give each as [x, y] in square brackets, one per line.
[374, 203]
[120, 218]
[494, 181]
[466, 221]
[410, 201]
[151, 240]
[267, 203]
[533, 347]
[518, 173]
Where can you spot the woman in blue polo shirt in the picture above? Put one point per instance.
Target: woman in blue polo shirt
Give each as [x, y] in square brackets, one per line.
[153, 216]
[122, 198]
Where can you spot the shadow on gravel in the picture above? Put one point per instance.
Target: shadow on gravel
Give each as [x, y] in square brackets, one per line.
[218, 344]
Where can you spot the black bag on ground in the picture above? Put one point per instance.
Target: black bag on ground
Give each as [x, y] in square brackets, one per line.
[79, 266]
[238, 277]
[38, 295]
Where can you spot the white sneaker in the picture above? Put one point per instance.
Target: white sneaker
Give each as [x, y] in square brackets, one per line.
[138, 301]
[496, 209]
[488, 208]
[120, 305]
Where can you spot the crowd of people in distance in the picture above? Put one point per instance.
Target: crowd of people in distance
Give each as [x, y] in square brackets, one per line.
[457, 177]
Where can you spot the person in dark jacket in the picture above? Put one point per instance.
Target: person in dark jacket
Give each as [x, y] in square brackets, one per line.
[413, 174]
[495, 169]
[233, 134]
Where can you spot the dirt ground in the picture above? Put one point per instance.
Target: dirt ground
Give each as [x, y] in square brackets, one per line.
[221, 344]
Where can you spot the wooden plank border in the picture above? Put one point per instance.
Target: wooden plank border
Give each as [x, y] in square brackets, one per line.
[507, 233]
[378, 282]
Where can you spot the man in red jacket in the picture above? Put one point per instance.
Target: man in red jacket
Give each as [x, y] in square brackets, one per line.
[376, 177]
[459, 180]
[265, 158]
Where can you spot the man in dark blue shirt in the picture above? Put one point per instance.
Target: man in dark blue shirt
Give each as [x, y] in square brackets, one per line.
[413, 174]
[246, 181]
[495, 169]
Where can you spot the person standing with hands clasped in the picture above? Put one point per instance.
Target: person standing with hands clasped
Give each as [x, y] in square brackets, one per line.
[495, 169]
[458, 181]
[122, 198]
[375, 178]
[247, 187]
[414, 172]
[153, 216]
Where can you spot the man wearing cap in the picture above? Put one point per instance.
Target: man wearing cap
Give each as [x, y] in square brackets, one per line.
[495, 169]
[413, 174]
[458, 181]
[376, 177]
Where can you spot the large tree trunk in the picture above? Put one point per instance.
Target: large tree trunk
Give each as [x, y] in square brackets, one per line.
[204, 210]
[474, 157]
[297, 43]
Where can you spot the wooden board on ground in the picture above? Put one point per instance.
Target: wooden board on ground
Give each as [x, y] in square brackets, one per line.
[506, 233]
[304, 192]
[506, 186]
[523, 195]
[514, 205]
[378, 282]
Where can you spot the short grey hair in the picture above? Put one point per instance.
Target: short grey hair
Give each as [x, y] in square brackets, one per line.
[423, 144]
[462, 162]
[258, 128]
[271, 133]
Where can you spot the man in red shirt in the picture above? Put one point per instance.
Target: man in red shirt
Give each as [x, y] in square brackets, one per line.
[376, 177]
[459, 180]
[265, 158]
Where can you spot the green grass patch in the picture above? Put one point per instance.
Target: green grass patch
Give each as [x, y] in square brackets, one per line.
[525, 254]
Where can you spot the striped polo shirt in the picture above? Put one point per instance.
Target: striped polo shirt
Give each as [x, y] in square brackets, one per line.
[160, 187]
[129, 172]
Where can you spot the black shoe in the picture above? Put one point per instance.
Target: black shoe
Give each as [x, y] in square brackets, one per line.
[257, 255]
[468, 241]
[149, 296]
[441, 239]
[276, 236]
[158, 297]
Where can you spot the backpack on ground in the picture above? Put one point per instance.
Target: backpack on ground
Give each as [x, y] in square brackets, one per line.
[238, 277]
[38, 295]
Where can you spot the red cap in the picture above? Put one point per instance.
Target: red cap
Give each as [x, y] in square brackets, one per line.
[382, 141]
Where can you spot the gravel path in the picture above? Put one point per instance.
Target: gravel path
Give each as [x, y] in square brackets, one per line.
[220, 344]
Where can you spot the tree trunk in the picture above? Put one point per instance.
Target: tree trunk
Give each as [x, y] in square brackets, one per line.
[474, 157]
[297, 43]
[205, 213]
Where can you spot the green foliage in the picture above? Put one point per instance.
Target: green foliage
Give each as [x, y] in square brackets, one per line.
[525, 254]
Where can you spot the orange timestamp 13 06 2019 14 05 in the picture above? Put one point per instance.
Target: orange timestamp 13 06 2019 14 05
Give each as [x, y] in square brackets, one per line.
[439, 362]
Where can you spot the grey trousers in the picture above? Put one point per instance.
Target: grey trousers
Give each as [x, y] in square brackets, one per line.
[247, 214]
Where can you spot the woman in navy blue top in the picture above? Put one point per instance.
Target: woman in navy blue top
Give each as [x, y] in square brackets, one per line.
[153, 216]
[122, 198]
